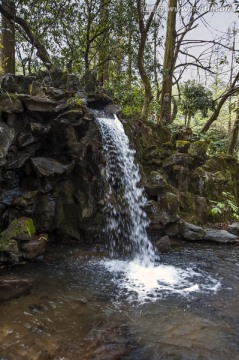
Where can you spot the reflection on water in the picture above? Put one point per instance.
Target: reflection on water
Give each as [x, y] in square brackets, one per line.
[77, 311]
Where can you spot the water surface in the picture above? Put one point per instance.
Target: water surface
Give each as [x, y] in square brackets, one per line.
[78, 309]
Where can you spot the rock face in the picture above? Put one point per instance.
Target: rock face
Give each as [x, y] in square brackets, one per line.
[180, 179]
[51, 163]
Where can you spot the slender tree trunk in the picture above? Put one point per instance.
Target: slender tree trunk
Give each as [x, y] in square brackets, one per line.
[166, 94]
[8, 39]
[148, 94]
[103, 70]
[144, 29]
[234, 133]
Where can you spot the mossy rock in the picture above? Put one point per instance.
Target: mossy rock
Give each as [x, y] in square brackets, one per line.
[182, 146]
[19, 230]
[198, 148]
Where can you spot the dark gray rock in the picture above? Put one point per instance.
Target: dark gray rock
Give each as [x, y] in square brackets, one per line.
[49, 167]
[17, 83]
[36, 103]
[112, 109]
[220, 236]
[6, 139]
[234, 228]
[163, 244]
[192, 232]
[10, 104]
[155, 183]
[12, 287]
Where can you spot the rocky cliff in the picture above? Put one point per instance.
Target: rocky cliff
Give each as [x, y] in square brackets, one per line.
[50, 163]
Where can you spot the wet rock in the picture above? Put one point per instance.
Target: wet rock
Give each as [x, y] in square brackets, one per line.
[45, 213]
[49, 167]
[172, 229]
[40, 129]
[163, 244]
[220, 236]
[192, 232]
[36, 103]
[34, 248]
[10, 104]
[6, 139]
[12, 287]
[234, 228]
[19, 229]
[112, 109]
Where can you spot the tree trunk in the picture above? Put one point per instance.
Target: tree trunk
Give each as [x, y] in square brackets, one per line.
[234, 133]
[8, 39]
[148, 95]
[144, 29]
[166, 94]
[103, 70]
[41, 50]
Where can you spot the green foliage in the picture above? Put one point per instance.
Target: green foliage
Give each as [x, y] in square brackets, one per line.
[217, 139]
[225, 209]
[194, 97]
[75, 101]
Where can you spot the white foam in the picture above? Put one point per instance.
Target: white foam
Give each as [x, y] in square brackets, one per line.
[143, 284]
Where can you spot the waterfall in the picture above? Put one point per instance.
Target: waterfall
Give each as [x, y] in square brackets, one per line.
[140, 276]
[127, 220]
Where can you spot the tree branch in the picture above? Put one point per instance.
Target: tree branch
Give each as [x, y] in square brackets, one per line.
[41, 50]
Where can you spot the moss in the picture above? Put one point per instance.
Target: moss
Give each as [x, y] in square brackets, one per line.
[30, 227]
[198, 148]
[182, 145]
[75, 101]
[22, 229]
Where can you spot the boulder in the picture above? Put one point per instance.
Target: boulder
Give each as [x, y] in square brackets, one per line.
[19, 230]
[155, 183]
[163, 244]
[234, 228]
[34, 248]
[10, 104]
[192, 232]
[12, 287]
[182, 146]
[112, 109]
[49, 167]
[17, 83]
[220, 236]
[36, 103]
[6, 138]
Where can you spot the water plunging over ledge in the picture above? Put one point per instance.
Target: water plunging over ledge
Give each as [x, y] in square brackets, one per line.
[127, 220]
[141, 274]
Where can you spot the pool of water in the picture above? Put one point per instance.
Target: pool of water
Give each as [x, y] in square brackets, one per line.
[84, 306]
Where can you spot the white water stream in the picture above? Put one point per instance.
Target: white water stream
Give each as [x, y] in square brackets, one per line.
[142, 275]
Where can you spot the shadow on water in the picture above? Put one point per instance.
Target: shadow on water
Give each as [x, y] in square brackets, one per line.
[77, 310]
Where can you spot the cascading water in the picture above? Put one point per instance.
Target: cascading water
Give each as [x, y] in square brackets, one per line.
[127, 224]
[127, 221]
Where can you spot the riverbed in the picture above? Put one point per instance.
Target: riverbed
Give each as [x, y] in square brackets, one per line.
[79, 310]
